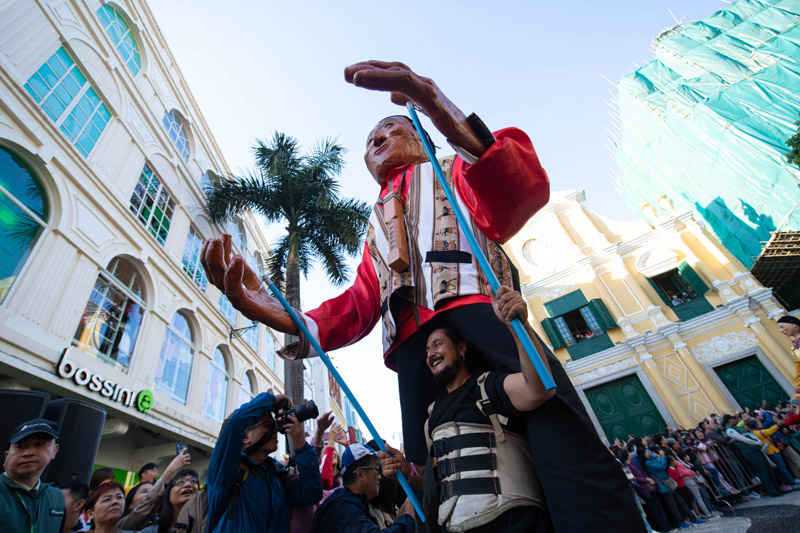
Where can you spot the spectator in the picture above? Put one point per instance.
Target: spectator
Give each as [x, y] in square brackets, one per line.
[639, 483]
[750, 448]
[136, 496]
[262, 499]
[26, 503]
[178, 492]
[347, 509]
[143, 509]
[679, 473]
[657, 468]
[772, 451]
[75, 494]
[148, 473]
[104, 506]
[100, 476]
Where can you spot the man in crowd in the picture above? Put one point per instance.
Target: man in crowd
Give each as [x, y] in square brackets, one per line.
[26, 503]
[347, 509]
[750, 447]
[75, 493]
[248, 491]
[501, 184]
[148, 473]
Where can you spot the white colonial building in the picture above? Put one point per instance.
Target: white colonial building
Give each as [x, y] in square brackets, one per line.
[103, 157]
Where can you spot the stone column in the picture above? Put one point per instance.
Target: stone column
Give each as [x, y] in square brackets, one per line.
[680, 415]
[718, 401]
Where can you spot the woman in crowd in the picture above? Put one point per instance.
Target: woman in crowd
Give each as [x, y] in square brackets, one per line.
[178, 492]
[642, 491]
[136, 496]
[657, 467]
[104, 507]
[144, 513]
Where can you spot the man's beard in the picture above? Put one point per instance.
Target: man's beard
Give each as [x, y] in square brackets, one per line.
[447, 374]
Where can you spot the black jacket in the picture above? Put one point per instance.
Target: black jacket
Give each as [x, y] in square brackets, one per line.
[345, 511]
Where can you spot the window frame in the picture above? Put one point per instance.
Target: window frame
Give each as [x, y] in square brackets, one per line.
[195, 272]
[160, 193]
[177, 130]
[213, 366]
[121, 19]
[172, 330]
[83, 91]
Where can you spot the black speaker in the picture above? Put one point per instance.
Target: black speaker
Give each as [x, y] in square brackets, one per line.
[16, 407]
[80, 426]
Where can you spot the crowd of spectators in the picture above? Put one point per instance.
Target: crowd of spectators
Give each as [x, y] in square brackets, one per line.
[683, 477]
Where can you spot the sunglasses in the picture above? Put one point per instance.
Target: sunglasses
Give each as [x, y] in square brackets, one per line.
[378, 468]
[182, 481]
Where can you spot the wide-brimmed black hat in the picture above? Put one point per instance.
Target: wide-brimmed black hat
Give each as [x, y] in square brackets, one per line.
[33, 427]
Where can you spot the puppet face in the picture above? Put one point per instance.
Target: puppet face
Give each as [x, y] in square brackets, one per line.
[392, 143]
[788, 329]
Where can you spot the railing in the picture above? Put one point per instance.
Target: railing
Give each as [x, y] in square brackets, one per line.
[733, 474]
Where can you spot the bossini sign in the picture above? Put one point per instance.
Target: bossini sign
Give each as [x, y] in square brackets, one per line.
[143, 400]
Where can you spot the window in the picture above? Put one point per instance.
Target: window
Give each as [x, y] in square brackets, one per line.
[175, 364]
[216, 388]
[248, 389]
[174, 126]
[64, 93]
[251, 334]
[578, 324]
[227, 309]
[238, 236]
[269, 350]
[24, 212]
[152, 205]
[191, 260]
[682, 290]
[120, 34]
[113, 315]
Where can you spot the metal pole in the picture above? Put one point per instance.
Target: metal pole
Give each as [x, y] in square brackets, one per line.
[335, 373]
[516, 323]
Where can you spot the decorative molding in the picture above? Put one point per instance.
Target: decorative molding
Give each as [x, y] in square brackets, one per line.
[775, 314]
[750, 321]
[605, 370]
[554, 293]
[723, 345]
[645, 356]
[679, 346]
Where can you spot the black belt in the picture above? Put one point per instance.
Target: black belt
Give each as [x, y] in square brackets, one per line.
[448, 467]
[462, 487]
[469, 440]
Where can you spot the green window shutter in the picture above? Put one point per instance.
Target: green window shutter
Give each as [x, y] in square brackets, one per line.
[565, 304]
[661, 294]
[601, 313]
[552, 333]
[692, 279]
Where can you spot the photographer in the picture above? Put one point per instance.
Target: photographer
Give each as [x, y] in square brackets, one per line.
[247, 489]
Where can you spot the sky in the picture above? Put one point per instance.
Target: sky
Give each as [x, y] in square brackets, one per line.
[256, 67]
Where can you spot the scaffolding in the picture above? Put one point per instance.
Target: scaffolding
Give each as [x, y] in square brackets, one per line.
[778, 267]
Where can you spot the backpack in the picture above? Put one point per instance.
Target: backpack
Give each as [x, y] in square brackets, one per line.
[193, 518]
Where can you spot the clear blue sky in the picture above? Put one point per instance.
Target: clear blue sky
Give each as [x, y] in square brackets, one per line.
[256, 67]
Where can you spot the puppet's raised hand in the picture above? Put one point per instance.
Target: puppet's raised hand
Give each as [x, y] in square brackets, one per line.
[242, 286]
[407, 86]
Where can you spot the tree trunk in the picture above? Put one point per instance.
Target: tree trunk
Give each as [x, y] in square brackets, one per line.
[293, 370]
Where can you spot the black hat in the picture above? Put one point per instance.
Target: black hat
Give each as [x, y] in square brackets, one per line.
[789, 319]
[32, 427]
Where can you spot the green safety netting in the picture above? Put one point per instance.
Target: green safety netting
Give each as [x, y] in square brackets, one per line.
[706, 122]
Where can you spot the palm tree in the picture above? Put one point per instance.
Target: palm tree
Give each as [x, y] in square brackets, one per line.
[320, 226]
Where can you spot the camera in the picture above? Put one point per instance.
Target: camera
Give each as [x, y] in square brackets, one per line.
[302, 412]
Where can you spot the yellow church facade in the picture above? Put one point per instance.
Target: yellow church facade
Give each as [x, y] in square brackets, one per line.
[656, 323]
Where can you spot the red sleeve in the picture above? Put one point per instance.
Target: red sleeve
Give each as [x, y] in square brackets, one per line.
[673, 473]
[792, 419]
[326, 468]
[349, 317]
[505, 187]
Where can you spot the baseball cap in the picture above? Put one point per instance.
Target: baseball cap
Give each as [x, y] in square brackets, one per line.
[353, 453]
[32, 427]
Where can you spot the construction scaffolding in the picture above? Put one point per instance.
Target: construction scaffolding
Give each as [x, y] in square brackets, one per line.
[705, 123]
[778, 267]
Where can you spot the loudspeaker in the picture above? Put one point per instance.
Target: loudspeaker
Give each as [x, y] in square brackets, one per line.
[80, 425]
[16, 407]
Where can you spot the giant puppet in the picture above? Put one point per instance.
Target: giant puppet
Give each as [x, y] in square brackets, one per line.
[501, 184]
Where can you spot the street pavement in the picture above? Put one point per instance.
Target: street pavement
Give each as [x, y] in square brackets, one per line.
[765, 515]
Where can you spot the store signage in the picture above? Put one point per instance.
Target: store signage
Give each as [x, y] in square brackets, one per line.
[84, 377]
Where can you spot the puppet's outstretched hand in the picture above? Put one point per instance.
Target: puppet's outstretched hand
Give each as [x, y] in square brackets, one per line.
[407, 86]
[242, 286]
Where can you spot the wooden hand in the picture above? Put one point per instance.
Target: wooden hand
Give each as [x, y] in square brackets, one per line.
[242, 286]
[407, 86]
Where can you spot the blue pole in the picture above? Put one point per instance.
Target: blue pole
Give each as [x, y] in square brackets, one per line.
[335, 373]
[516, 323]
